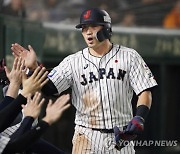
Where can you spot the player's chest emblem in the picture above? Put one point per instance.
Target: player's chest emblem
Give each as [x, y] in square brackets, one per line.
[102, 73]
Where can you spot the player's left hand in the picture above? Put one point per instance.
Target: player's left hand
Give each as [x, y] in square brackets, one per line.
[135, 126]
[121, 137]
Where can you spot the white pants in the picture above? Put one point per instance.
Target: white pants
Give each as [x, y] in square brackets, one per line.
[88, 141]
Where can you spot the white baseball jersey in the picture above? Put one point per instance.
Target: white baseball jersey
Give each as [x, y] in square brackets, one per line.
[102, 88]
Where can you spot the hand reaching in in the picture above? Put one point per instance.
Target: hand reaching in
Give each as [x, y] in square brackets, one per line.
[35, 82]
[15, 77]
[33, 106]
[55, 110]
[29, 56]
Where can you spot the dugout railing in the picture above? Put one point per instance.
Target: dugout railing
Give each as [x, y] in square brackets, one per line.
[160, 48]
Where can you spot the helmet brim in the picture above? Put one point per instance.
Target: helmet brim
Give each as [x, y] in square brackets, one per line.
[79, 26]
[89, 23]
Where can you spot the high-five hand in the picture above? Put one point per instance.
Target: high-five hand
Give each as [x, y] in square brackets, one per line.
[56, 109]
[35, 82]
[33, 106]
[29, 56]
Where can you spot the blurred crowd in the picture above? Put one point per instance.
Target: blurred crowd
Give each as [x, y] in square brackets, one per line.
[128, 13]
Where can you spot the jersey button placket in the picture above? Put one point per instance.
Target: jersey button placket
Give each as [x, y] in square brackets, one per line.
[102, 83]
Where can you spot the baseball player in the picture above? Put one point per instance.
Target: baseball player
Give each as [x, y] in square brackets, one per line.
[103, 77]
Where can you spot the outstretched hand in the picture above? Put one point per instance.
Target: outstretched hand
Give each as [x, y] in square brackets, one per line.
[35, 82]
[29, 56]
[55, 110]
[15, 75]
[33, 106]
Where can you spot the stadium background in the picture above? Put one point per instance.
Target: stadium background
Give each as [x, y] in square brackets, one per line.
[53, 37]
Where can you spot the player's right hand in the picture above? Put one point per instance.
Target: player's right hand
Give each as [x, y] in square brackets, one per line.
[29, 56]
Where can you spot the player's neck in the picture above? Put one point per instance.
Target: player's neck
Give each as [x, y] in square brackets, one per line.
[102, 49]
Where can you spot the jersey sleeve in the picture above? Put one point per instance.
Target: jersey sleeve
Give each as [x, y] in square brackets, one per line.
[141, 77]
[5, 102]
[27, 139]
[3, 142]
[10, 112]
[61, 75]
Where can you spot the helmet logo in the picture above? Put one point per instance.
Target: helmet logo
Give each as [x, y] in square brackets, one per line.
[107, 19]
[87, 14]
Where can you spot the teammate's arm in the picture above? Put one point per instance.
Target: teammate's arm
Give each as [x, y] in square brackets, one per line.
[15, 78]
[9, 113]
[30, 86]
[30, 58]
[31, 111]
[21, 142]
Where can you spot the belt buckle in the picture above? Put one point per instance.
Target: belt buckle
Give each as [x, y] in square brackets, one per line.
[102, 131]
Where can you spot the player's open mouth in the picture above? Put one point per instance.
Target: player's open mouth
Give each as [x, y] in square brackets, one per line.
[90, 39]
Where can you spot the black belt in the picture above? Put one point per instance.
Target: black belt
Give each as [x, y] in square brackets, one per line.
[104, 130]
[101, 130]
